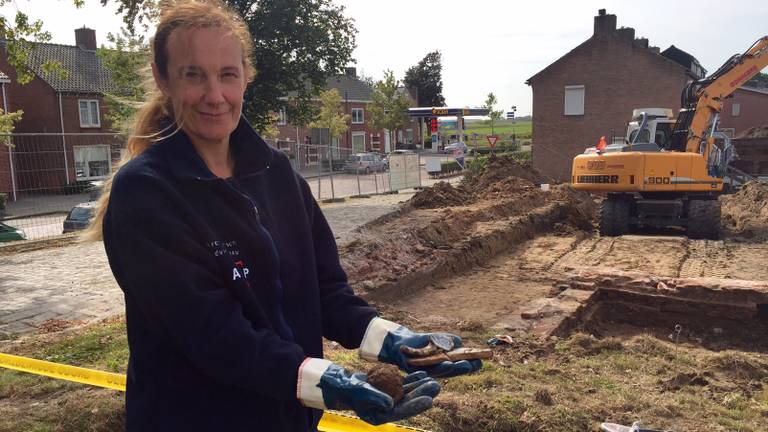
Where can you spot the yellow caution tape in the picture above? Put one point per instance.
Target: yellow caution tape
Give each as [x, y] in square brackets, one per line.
[64, 372]
[331, 421]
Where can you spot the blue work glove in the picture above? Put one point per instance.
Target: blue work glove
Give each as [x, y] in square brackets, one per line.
[383, 341]
[325, 385]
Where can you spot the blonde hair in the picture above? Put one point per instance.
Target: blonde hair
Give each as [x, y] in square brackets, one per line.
[158, 108]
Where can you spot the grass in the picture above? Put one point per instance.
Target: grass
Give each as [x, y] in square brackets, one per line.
[588, 380]
[36, 403]
[502, 128]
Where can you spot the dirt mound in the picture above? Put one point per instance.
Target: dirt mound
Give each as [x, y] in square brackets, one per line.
[500, 168]
[739, 366]
[745, 213]
[582, 209]
[754, 132]
[442, 194]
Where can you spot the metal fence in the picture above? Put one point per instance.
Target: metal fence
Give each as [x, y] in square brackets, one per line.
[44, 176]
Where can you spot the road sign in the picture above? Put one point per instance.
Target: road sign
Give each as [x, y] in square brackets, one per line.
[492, 140]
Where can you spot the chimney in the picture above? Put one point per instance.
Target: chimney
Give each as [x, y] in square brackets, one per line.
[627, 33]
[85, 38]
[351, 72]
[605, 24]
[642, 42]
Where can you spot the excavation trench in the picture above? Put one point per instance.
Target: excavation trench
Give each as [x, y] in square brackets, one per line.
[716, 314]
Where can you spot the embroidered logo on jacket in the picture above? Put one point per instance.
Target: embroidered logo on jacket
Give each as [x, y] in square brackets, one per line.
[222, 248]
[240, 270]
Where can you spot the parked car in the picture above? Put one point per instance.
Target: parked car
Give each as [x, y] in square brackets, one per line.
[9, 233]
[364, 163]
[454, 146]
[79, 217]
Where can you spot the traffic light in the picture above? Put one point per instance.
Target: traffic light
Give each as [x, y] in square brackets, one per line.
[433, 124]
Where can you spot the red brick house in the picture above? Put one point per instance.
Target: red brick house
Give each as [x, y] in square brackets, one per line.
[356, 95]
[52, 104]
[591, 91]
[747, 107]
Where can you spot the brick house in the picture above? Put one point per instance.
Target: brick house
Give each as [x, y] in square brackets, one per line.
[356, 95]
[747, 107]
[52, 104]
[591, 91]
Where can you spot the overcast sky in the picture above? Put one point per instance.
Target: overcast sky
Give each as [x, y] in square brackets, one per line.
[487, 45]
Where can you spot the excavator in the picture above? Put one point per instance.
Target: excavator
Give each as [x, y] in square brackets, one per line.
[667, 172]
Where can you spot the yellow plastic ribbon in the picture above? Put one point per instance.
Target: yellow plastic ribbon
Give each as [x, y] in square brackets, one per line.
[330, 422]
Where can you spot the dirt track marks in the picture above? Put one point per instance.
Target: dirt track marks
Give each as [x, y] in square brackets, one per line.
[705, 258]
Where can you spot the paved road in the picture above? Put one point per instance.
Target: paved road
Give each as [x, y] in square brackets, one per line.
[75, 283]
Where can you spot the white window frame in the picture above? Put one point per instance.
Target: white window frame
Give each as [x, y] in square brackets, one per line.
[282, 117]
[735, 109]
[573, 100]
[361, 112]
[88, 122]
[358, 134]
[109, 162]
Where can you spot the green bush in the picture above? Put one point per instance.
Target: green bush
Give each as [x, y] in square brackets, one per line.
[449, 166]
[476, 165]
[3, 200]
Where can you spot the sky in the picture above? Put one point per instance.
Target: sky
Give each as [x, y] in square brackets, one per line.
[486, 45]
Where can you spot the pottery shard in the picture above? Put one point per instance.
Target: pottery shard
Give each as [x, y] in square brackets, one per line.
[387, 379]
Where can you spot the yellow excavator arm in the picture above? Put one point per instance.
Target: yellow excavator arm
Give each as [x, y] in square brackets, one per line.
[707, 101]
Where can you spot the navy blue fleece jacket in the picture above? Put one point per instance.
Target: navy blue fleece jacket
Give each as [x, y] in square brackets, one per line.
[229, 285]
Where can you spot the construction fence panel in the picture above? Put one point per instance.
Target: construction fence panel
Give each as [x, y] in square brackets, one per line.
[44, 176]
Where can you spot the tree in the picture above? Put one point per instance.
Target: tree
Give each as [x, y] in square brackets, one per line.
[760, 81]
[8, 124]
[126, 63]
[490, 101]
[20, 36]
[427, 77]
[330, 116]
[389, 108]
[298, 45]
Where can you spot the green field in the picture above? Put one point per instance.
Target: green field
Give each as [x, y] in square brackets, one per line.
[502, 128]
[522, 129]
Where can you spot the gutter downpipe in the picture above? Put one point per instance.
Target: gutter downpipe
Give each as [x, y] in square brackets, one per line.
[10, 147]
[63, 140]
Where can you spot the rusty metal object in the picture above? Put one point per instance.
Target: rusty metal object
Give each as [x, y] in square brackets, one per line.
[453, 355]
[428, 350]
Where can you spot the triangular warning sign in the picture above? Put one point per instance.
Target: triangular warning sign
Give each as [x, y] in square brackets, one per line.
[492, 140]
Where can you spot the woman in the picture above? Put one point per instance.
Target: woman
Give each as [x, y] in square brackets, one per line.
[230, 272]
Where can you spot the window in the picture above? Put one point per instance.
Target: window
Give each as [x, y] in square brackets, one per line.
[409, 136]
[89, 113]
[357, 116]
[92, 162]
[375, 142]
[736, 109]
[574, 100]
[645, 136]
[282, 117]
[358, 142]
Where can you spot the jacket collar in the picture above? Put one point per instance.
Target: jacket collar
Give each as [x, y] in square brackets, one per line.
[251, 153]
